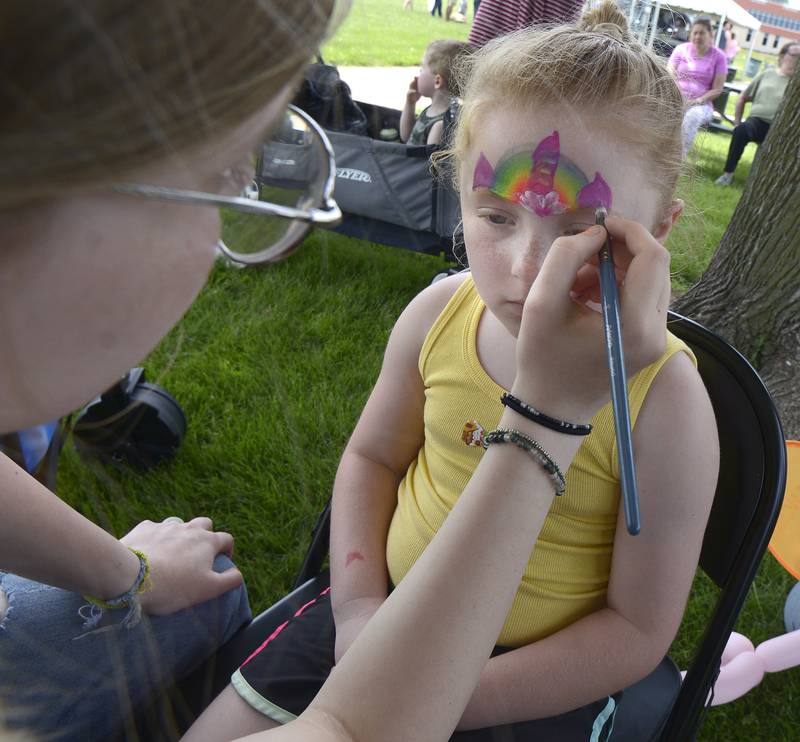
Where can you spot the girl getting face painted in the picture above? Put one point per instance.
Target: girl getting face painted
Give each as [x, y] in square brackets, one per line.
[519, 193]
[553, 124]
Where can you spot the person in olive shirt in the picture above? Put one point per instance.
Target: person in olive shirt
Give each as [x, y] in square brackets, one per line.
[765, 92]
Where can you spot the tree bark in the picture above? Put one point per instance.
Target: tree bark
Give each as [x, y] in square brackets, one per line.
[750, 292]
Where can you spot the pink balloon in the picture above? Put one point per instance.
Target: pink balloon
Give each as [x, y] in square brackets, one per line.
[740, 675]
[737, 643]
[780, 653]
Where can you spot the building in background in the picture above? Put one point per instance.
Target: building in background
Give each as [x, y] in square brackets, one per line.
[779, 24]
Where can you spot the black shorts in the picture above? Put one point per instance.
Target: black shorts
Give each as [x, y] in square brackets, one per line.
[283, 675]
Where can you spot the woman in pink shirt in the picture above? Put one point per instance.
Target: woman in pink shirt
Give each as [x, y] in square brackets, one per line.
[700, 69]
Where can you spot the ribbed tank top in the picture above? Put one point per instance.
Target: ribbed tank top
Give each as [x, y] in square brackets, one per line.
[567, 575]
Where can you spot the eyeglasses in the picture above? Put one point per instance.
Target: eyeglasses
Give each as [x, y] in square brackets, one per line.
[285, 186]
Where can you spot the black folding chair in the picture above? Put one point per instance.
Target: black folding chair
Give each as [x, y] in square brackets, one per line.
[746, 505]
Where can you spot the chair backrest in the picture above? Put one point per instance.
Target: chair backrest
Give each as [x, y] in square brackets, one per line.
[750, 487]
[752, 479]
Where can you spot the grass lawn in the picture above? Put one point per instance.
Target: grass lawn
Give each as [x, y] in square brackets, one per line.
[379, 33]
[273, 367]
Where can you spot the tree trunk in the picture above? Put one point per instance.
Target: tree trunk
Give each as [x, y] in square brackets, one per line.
[750, 292]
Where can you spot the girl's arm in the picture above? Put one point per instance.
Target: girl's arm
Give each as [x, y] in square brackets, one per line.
[43, 539]
[387, 438]
[738, 110]
[675, 440]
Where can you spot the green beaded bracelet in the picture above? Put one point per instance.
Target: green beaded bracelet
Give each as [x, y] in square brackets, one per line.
[526, 443]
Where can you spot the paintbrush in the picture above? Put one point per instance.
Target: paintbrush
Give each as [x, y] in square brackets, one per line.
[619, 384]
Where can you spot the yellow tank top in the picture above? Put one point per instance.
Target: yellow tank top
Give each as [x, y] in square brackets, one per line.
[567, 575]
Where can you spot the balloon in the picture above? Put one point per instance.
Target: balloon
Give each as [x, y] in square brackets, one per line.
[740, 675]
[780, 653]
[743, 667]
[737, 643]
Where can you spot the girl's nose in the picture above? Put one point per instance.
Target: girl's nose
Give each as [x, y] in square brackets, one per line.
[528, 260]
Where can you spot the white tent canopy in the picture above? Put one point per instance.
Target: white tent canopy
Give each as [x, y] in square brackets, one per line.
[725, 10]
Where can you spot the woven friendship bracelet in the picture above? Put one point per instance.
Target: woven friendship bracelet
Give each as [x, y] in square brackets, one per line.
[129, 600]
[526, 443]
[534, 415]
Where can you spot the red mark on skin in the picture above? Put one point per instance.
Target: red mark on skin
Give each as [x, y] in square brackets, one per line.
[353, 556]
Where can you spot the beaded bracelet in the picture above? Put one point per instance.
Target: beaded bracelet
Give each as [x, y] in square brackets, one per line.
[129, 600]
[537, 416]
[526, 443]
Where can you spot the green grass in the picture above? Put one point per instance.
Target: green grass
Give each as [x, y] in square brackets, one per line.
[708, 207]
[379, 33]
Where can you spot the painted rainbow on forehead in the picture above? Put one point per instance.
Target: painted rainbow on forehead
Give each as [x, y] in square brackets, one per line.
[542, 181]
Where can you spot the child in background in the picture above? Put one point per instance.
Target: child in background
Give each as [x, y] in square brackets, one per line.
[554, 124]
[435, 81]
[731, 48]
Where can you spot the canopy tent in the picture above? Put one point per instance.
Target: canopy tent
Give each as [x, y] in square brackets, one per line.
[725, 10]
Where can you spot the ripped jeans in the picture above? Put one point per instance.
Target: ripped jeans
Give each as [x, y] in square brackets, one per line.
[61, 681]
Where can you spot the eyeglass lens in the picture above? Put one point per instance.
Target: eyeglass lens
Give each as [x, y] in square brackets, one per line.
[289, 169]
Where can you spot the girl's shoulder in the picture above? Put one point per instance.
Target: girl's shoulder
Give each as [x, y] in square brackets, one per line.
[429, 303]
[424, 309]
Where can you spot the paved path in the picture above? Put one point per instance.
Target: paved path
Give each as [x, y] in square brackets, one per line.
[385, 86]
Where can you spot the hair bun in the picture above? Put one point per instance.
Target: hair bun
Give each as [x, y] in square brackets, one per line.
[606, 19]
[609, 29]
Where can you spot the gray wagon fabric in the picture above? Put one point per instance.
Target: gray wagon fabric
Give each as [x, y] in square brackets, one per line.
[379, 180]
[384, 181]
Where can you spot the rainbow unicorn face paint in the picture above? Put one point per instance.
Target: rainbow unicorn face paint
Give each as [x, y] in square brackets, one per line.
[544, 181]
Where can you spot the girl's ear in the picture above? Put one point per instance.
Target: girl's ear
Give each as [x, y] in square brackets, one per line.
[664, 227]
[438, 82]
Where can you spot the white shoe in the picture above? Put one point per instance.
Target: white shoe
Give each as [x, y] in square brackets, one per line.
[725, 179]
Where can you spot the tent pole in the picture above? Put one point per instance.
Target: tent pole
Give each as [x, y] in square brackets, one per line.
[750, 50]
[654, 24]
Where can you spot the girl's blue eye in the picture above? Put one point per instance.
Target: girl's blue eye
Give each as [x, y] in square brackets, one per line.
[497, 218]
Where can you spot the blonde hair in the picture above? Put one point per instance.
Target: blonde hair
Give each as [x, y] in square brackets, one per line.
[102, 87]
[593, 65]
[442, 56]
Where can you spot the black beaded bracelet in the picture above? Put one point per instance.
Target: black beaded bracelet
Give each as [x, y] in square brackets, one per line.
[526, 443]
[534, 415]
